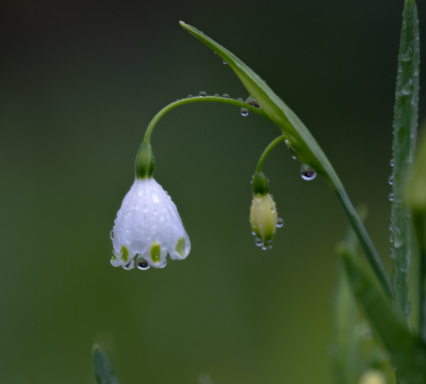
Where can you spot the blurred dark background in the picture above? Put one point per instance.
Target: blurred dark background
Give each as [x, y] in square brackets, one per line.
[79, 83]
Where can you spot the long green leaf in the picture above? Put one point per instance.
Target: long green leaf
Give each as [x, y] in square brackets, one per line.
[407, 351]
[416, 196]
[302, 143]
[404, 142]
[103, 370]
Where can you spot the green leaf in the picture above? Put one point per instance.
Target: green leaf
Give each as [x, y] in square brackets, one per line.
[404, 142]
[416, 197]
[301, 142]
[103, 370]
[407, 351]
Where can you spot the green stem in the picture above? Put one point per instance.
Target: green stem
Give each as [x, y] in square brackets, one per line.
[266, 152]
[419, 226]
[198, 99]
[363, 237]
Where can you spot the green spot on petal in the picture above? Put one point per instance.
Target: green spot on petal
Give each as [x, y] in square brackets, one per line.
[155, 252]
[180, 246]
[124, 253]
[113, 258]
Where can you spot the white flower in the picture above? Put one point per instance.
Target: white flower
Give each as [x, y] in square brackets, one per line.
[147, 227]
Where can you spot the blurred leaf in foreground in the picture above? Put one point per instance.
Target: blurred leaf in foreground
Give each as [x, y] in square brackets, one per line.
[103, 370]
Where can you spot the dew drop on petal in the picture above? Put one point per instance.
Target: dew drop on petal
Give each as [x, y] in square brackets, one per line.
[392, 162]
[203, 94]
[244, 112]
[143, 265]
[111, 235]
[128, 266]
[163, 264]
[391, 196]
[390, 180]
[258, 241]
[280, 222]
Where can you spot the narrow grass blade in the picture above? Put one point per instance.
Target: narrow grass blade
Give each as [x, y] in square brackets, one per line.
[404, 142]
[301, 142]
[103, 370]
[345, 361]
[407, 351]
[416, 196]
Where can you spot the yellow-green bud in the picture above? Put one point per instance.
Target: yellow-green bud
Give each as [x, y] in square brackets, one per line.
[264, 219]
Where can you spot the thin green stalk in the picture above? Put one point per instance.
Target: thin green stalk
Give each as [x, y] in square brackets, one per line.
[404, 143]
[266, 152]
[420, 228]
[198, 99]
[364, 239]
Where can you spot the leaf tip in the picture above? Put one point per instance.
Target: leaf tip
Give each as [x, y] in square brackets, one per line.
[182, 23]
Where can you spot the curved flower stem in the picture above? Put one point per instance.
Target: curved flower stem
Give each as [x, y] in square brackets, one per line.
[266, 152]
[363, 237]
[198, 99]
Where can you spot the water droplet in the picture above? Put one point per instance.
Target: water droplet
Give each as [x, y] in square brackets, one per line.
[391, 240]
[264, 248]
[111, 235]
[253, 233]
[155, 198]
[254, 103]
[407, 55]
[391, 196]
[240, 100]
[189, 96]
[307, 172]
[224, 62]
[390, 180]
[163, 264]
[216, 95]
[129, 266]
[408, 87]
[390, 227]
[143, 265]
[225, 95]
[258, 241]
[392, 162]
[280, 222]
[244, 112]
[203, 94]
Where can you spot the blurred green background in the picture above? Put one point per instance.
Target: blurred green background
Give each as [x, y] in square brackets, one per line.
[79, 83]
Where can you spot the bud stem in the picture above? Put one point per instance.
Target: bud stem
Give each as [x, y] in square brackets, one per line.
[266, 152]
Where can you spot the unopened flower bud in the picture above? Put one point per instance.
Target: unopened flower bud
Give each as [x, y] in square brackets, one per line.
[263, 214]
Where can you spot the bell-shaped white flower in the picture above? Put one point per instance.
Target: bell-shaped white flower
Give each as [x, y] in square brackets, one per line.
[147, 228]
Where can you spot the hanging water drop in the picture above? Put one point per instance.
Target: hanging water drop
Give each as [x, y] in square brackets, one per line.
[307, 172]
[280, 222]
[390, 180]
[225, 95]
[224, 62]
[203, 94]
[216, 95]
[244, 112]
[258, 241]
[391, 196]
[129, 266]
[392, 162]
[143, 265]
[111, 235]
